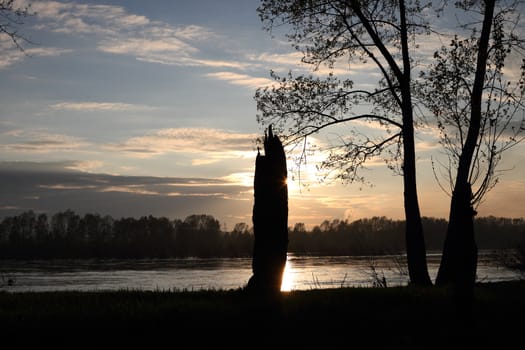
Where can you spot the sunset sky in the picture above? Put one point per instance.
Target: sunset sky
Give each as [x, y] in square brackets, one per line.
[132, 108]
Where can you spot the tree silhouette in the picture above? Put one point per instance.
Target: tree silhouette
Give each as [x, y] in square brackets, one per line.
[270, 217]
[355, 32]
[29, 236]
[480, 115]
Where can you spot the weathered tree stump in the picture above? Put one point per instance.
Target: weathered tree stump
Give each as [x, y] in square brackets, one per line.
[270, 217]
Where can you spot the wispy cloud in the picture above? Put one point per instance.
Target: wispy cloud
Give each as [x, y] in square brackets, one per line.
[241, 79]
[12, 55]
[40, 142]
[143, 47]
[85, 18]
[46, 51]
[188, 61]
[162, 44]
[194, 32]
[117, 31]
[100, 106]
[275, 60]
[113, 29]
[241, 178]
[213, 142]
[85, 166]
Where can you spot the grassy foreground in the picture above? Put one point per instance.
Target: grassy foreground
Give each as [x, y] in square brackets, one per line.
[373, 317]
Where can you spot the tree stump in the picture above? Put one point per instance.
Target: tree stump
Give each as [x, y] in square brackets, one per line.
[270, 217]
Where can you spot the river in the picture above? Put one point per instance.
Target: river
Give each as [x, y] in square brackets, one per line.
[301, 273]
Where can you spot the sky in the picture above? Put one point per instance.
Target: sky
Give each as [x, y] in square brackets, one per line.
[133, 108]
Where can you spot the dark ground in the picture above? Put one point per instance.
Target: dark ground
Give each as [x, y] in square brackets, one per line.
[347, 317]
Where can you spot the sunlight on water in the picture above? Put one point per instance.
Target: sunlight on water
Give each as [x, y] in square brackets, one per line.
[300, 273]
[288, 279]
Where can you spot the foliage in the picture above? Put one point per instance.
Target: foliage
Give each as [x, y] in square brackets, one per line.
[341, 36]
[446, 90]
[69, 235]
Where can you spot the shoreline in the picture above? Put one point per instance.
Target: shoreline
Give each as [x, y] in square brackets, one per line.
[301, 273]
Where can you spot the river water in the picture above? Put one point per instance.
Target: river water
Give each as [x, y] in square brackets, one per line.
[301, 273]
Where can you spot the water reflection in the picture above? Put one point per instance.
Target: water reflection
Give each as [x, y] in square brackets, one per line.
[301, 273]
[288, 276]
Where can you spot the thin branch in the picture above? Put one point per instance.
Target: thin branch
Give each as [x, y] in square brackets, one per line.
[308, 130]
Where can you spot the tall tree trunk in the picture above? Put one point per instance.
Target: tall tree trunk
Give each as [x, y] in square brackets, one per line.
[270, 217]
[460, 253]
[415, 242]
[459, 259]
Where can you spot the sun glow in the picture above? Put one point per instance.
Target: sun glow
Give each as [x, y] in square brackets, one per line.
[303, 169]
[288, 277]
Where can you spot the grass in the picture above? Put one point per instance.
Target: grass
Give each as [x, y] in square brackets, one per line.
[374, 317]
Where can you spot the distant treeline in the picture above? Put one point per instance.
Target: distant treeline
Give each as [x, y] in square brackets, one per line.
[68, 235]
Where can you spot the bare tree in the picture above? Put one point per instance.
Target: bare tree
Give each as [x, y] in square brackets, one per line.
[331, 33]
[11, 18]
[480, 113]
